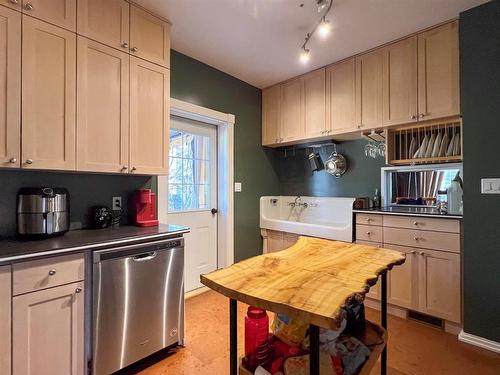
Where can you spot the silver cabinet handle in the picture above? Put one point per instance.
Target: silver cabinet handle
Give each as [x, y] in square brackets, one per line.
[413, 117]
[369, 233]
[52, 272]
[28, 6]
[415, 223]
[78, 290]
[413, 252]
[14, 1]
[133, 169]
[368, 219]
[415, 238]
[134, 49]
[421, 253]
[124, 45]
[29, 161]
[124, 168]
[421, 115]
[12, 160]
[322, 132]
[328, 131]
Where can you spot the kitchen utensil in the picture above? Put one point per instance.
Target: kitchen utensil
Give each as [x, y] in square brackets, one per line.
[336, 164]
[315, 161]
[42, 211]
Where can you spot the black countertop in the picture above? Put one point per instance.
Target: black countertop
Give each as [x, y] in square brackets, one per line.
[15, 249]
[409, 211]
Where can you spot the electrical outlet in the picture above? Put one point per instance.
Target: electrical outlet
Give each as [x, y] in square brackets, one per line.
[237, 187]
[116, 203]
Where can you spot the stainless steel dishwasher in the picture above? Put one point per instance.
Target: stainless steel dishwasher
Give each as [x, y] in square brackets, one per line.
[138, 302]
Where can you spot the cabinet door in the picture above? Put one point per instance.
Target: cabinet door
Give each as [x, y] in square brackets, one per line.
[149, 37]
[400, 82]
[439, 284]
[103, 108]
[438, 72]
[289, 239]
[105, 21]
[5, 319]
[149, 117]
[58, 12]
[48, 96]
[292, 111]
[374, 292]
[48, 335]
[341, 96]
[402, 289]
[274, 241]
[315, 103]
[271, 115]
[10, 88]
[369, 69]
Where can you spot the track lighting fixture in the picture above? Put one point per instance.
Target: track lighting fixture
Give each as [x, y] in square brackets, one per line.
[323, 27]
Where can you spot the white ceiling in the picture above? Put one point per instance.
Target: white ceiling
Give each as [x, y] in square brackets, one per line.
[258, 41]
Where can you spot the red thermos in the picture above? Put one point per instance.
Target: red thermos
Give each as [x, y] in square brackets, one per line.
[257, 350]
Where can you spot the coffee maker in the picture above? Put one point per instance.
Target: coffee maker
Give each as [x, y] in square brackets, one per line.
[144, 208]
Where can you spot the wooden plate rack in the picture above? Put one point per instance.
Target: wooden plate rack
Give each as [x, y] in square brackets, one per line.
[400, 150]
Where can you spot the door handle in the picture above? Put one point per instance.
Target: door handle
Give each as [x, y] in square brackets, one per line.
[144, 257]
[214, 211]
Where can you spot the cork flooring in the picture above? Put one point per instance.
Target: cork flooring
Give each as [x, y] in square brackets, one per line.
[414, 348]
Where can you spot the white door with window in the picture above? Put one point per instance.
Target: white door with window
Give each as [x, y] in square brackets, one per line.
[192, 194]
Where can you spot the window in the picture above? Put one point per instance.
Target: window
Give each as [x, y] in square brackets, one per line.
[189, 176]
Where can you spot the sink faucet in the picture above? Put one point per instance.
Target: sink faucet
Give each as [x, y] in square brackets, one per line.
[298, 203]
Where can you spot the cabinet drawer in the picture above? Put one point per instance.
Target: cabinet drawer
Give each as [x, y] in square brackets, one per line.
[423, 239]
[369, 243]
[369, 219]
[423, 223]
[368, 233]
[47, 273]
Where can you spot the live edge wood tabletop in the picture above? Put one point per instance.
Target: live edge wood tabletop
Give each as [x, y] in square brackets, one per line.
[311, 280]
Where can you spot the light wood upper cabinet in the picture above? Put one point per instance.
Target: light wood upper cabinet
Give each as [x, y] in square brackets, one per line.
[102, 108]
[5, 319]
[48, 96]
[292, 110]
[271, 115]
[149, 117]
[105, 21]
[400, 82]
[10, 88]
[438, 72]
[369, 89]
[315, 103]
[48, 331]
[439, 284]
[149, 36]
[58, 12]
[341, 96]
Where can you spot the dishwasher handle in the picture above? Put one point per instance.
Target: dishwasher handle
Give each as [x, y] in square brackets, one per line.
[145, 256]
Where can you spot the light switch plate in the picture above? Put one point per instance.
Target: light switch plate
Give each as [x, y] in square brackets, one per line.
[490, 186]
[117, 203]
[237, 187]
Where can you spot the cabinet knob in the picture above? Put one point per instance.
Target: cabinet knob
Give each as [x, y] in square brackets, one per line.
[328, 131]
[28, 6]
[133, 169]
[12, 160]
[421, 115]
[421, 253]
[369, 233]
[124, 168]
[413, 252]
[14, 1]
[415, 238]
[414, 117]
[368, 219]
[78, 290]
[52, 272]
[134, 49]
[29, 161]
[415, 223]
[124, 45]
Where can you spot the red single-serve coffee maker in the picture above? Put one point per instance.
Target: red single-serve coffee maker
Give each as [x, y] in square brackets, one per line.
[144, 208]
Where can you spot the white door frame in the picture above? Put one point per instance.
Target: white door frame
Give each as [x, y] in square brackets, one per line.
[225, 176]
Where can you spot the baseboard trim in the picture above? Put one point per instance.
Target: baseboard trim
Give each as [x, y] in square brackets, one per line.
[196, 292]
[479, 341]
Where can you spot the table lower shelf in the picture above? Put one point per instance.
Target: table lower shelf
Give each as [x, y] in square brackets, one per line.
[375, 338]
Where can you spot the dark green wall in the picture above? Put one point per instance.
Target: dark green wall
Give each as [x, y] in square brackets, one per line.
[198, 83]
[360, 180]
[480, 100]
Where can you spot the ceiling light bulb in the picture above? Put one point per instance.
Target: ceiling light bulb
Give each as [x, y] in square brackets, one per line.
[304, 56]
[324, 29]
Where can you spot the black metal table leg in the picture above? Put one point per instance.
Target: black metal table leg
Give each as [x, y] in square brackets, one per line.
[383, 320]
[233, 337]
[313, 350]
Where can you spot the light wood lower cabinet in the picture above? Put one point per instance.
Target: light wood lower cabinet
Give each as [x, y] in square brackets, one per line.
[439, 284]
[48, 96]
[102, 108]
[105, 21]
[277, 241]
[5, 319]
[10, 88]
[149, 117]
[48, 331]
[374, 291]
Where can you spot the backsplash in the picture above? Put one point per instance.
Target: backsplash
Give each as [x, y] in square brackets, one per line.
[85, 190]
[361, 179]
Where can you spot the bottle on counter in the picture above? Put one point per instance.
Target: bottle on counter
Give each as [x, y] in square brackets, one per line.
[455, 194]
[257, 348]
[376, 199]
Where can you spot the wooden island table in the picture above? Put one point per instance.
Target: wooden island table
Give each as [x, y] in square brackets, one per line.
[312, 280]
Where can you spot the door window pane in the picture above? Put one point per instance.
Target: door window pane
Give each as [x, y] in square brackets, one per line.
[189, 175]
